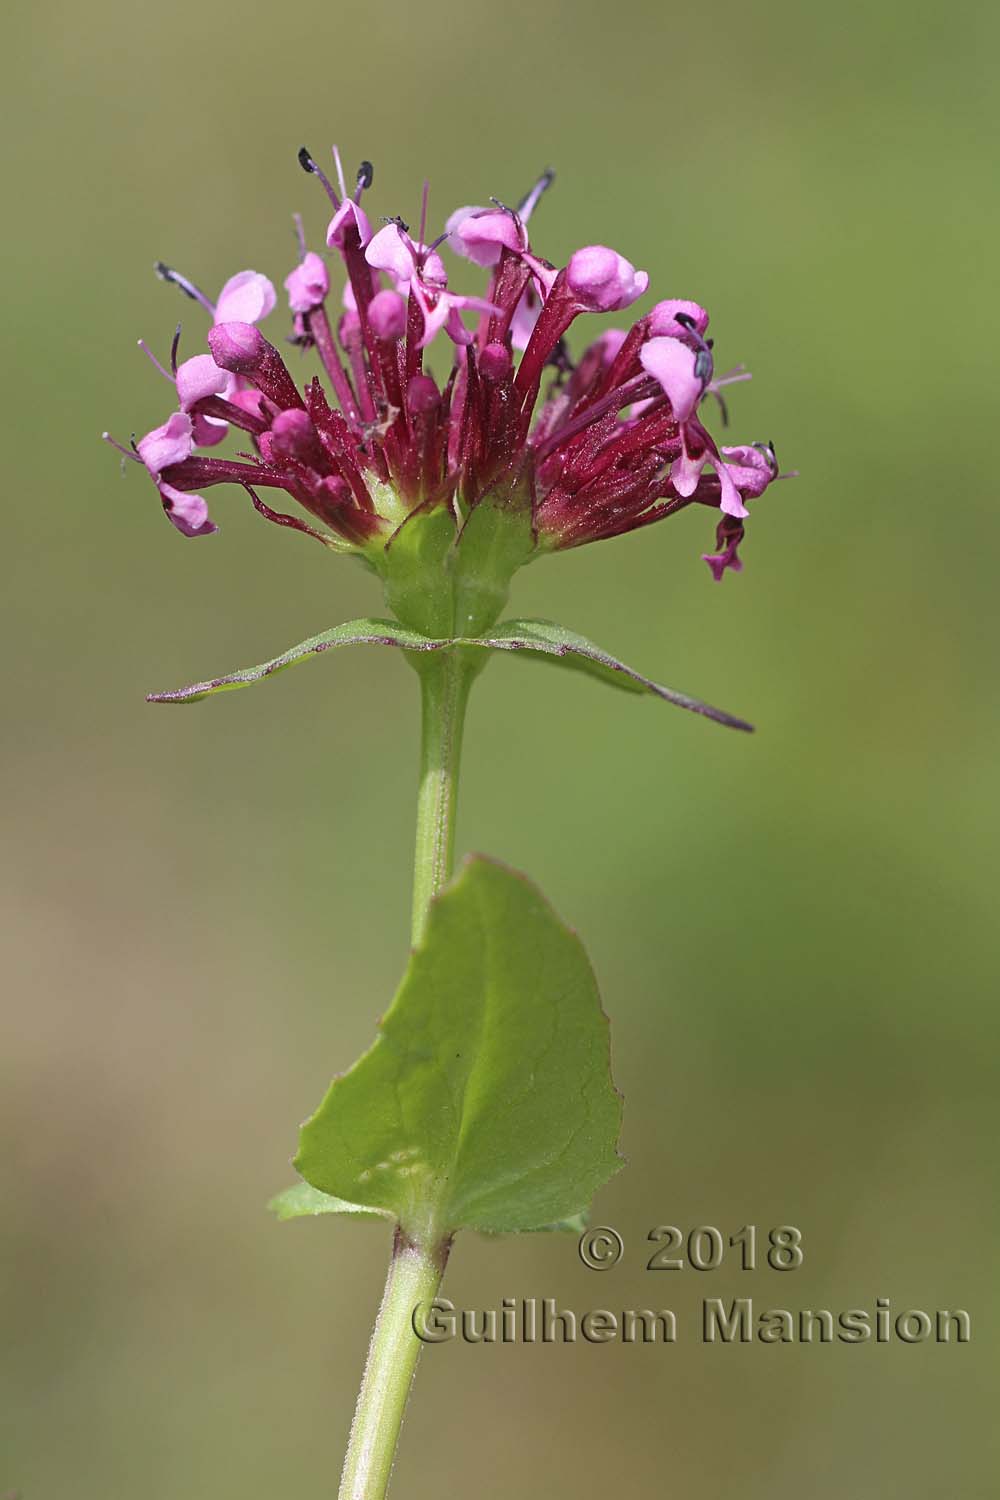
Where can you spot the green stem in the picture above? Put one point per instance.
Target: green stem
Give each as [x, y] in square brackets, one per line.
[415, 1271]
[445, 680]
[414, 1277]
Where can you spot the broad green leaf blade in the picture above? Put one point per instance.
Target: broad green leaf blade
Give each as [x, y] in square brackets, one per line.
[546, 639]
[486, 1101]
[303, 1201]
[354, 633]
[575, 1224]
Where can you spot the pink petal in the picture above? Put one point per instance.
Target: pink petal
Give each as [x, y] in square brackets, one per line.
[388, 251]
[522, 324]
[436, 314]
[200, 376]
[480, 235]
[208, 430]
[166, 445]
[685, 472]
[673, 365]
[246, 298]
[663, 318]
[729, 502]
[308, 285]
[751, 470]
[604, 281]
[349, 214]
[189, 513]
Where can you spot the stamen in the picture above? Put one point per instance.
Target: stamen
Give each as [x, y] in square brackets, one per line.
[732, 377]
[167, 273]
[174, 346]
[423, 211]
[300, 236]
[529, 202]
[125, 452]
[340, 171]
[153, 359]
[308, 163]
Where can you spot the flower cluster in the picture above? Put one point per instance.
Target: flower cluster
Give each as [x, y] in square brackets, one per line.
[614, 442]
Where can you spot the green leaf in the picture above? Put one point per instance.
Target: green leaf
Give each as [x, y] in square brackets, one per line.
[303, 1201]
[354, 633]
[540, 639]
[486, 1101]
[545, 639]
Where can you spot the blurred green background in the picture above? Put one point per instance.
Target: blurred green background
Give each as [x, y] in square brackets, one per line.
[206, 909]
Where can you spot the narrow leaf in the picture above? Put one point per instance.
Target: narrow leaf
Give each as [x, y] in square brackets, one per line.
[486, 1101]
[540, 639]
[354, 633]
[543, 638]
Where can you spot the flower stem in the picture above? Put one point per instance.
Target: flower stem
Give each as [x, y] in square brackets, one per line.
[414, 1277]
[445, 680]
[415, 1271]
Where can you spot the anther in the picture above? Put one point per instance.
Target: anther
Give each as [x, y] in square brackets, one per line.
[309, 164]
[167, 273]
[366, 175]
[529, 202]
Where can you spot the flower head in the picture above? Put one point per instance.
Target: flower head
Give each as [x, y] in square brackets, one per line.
[615, 441]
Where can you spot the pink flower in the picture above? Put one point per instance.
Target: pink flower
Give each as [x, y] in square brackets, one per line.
[161, 449]
[419, 271]
[684, 374]
[603, 281]
[480, 234]
[307, 286]
[166, 445]
[728, 535]
[595, 445]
